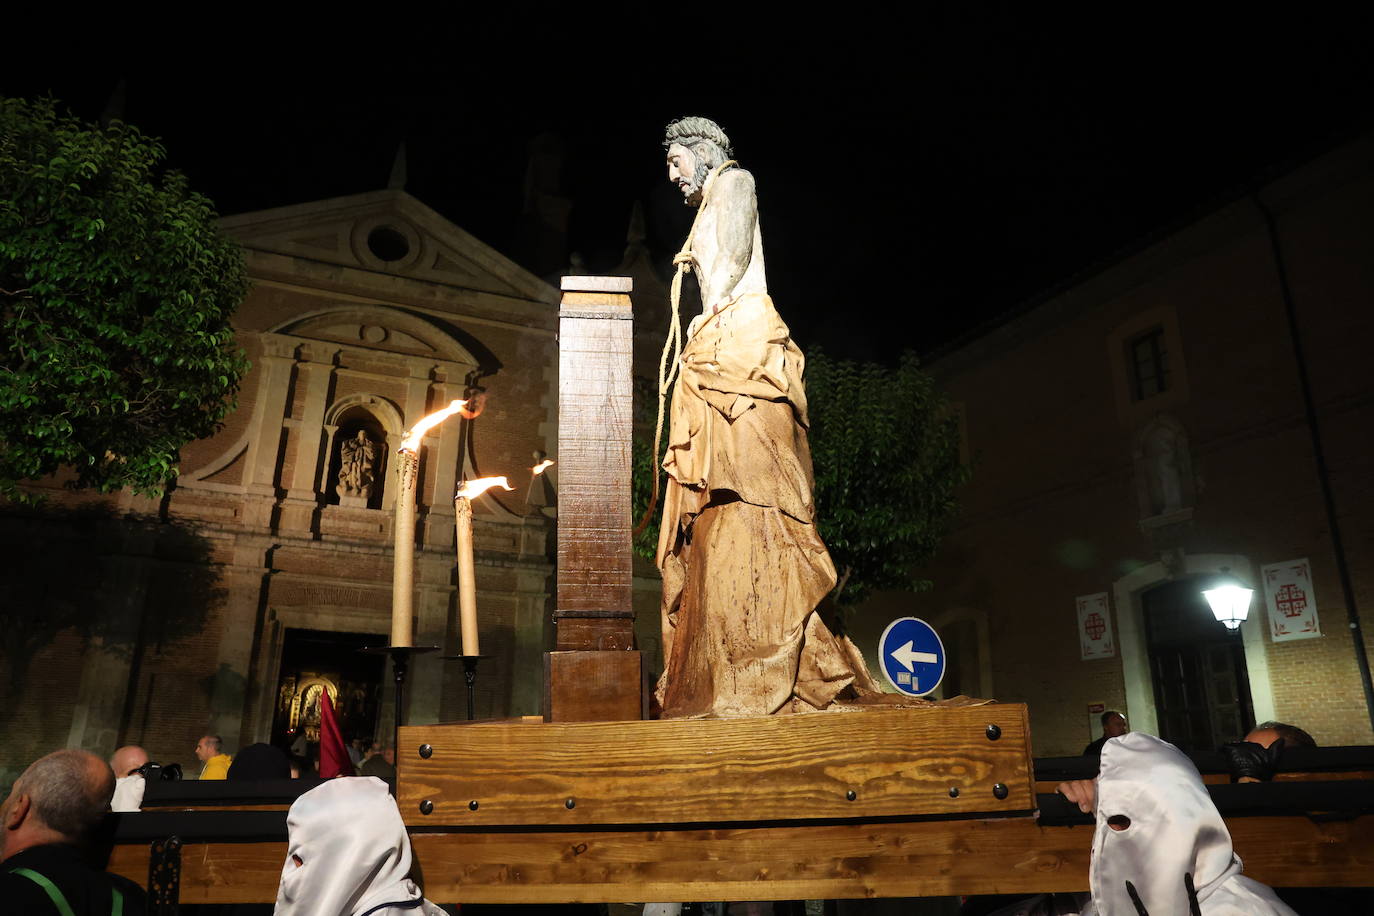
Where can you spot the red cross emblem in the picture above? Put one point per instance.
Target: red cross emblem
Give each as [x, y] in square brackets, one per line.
[1095, 626]
[1292, 601]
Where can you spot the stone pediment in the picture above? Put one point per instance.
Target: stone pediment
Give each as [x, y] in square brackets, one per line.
[387, 232]
[379, 328]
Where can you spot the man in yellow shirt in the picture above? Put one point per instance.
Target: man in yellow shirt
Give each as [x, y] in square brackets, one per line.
[210, 752]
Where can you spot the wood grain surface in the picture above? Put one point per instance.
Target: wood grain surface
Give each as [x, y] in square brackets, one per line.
[594, 415]
[592, 685]
[606, 630]
[790, 862]
[932, 761]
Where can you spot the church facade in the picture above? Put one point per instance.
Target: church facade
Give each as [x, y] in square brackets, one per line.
[230, 605]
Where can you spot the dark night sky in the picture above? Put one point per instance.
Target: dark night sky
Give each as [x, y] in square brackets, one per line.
[919, 172]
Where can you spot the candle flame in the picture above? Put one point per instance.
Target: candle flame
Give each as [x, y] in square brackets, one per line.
[542, 466]
[411, 441]
[475, 488]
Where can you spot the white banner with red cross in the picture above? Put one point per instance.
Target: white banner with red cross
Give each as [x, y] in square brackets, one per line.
[1095, 636]
[1291, 601]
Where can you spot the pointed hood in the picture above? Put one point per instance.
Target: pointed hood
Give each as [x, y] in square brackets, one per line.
[1172, 837]
[354, 854]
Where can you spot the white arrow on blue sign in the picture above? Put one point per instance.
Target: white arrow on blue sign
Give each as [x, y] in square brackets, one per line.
[912, 656]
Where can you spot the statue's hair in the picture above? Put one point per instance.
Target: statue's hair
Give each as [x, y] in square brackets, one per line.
[68, 794]
[690, 131]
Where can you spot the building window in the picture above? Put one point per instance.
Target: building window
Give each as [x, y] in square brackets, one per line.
[1149, 363]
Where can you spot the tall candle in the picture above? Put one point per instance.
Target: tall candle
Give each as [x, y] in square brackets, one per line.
[403, 559]
[403, 566]
[467, 587]
[467, 584]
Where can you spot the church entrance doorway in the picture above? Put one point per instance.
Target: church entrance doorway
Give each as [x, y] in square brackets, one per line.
[1201, 684]
[315, 662]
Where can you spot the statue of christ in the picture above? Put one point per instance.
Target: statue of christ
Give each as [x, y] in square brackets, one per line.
[743, 565]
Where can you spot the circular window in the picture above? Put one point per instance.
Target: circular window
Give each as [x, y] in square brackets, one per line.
[386, 244]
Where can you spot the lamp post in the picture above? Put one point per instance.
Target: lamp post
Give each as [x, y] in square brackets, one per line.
[1229, 600]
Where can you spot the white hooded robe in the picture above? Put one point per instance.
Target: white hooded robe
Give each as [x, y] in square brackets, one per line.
[354, 854]
[1175, 836]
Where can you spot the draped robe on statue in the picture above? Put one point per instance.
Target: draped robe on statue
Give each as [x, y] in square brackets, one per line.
[743, 565]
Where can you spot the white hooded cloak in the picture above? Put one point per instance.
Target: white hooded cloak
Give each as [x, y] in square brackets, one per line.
[354, 854]
[1175, 837]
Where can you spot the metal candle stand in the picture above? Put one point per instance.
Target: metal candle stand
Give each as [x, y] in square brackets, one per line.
[469, 679]
[400, 663]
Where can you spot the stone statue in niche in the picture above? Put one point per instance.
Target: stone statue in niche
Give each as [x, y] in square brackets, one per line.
[1166, 486]
[357, 465]
[743, 565]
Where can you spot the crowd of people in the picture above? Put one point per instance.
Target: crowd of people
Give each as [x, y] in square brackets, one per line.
[348, 851]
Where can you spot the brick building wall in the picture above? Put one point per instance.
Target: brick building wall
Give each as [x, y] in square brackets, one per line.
[1059, 505]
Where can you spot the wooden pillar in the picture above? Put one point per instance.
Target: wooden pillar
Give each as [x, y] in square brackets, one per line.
[594, 672]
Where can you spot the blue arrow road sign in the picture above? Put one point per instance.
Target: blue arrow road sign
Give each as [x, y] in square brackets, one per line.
[912, 656]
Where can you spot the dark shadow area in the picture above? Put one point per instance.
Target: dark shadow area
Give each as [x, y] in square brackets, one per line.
[131, 583]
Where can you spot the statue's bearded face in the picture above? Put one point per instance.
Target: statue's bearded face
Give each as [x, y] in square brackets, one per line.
[688, 171]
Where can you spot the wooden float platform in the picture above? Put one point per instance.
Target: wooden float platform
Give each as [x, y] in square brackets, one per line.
[873, 803]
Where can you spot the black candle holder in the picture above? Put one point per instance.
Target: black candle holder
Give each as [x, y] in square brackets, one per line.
[469, 679]
[400, 663]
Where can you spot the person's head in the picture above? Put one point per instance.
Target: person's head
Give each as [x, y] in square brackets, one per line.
[1157, 830]
[389, 755]
[1114, 724]
[695, 146]
[209, 746]
[1266, 733]
[260, 761]
[367, 746]
[60, 798]
[127, 760]
[347, 850]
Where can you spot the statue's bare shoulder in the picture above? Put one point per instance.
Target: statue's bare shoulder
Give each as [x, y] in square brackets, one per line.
[736, 186]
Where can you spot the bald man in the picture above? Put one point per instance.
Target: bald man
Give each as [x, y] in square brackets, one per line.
[129, 782]
[50, 814]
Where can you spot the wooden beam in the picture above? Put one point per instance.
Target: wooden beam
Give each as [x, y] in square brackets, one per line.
[595, 341]
[593, 613]
[857, 764]
[785, 862]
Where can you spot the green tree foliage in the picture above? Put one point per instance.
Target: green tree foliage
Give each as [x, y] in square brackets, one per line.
[116, 289]
[885, 448]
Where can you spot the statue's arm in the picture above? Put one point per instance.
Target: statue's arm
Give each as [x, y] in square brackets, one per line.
[737, 214]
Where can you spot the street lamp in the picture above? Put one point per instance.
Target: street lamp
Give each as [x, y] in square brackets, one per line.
[1230, 600]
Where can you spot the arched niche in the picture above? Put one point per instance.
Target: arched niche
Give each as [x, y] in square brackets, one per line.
[378, 422]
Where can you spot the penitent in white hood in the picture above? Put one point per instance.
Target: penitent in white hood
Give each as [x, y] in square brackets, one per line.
[1172, 855]
[353, 852]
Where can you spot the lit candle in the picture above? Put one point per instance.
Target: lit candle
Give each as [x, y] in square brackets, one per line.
[467, 586]
[403, 564]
